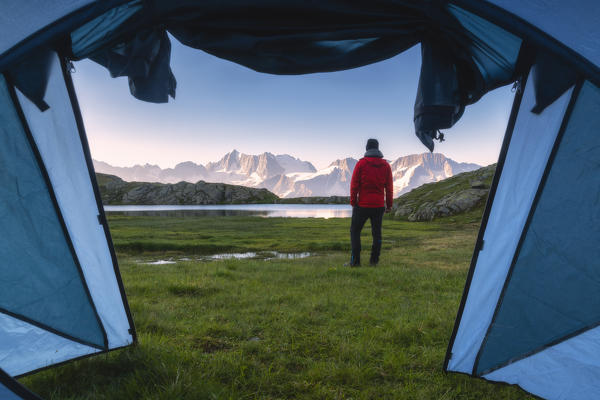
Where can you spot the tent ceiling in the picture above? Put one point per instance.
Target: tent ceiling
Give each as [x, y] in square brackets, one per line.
[573, 23]
[19, 19]
[296, 37]
[464, 55]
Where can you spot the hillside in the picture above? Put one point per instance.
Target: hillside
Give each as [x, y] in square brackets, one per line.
[455, 195]
[116, 191]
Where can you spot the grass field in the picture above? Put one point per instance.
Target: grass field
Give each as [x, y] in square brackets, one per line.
[282, 329]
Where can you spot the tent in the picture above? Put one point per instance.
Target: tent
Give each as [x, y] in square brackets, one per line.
[61, 295]
[10, 389]
[529, 313]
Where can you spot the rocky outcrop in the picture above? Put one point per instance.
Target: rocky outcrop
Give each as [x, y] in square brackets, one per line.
[451, 204]
[116, 191]
[452, 196]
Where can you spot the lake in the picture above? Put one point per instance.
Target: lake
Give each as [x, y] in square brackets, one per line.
[260, 210]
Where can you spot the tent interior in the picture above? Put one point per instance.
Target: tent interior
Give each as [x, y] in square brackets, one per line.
[529, 314]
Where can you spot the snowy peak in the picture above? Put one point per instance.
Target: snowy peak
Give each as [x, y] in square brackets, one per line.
[291, 164]
[346, 164]
[433, 161]
[285, 186]
[186, 171]
[415, 170]
[288, 176]
[265, 165]
[229, 162]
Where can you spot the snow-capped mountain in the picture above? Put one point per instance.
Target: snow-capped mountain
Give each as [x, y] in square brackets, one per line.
[287, 176]
[415, 170]
[331, 181]
[139, 173]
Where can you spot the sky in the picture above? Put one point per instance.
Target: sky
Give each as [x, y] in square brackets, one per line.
[221, 106]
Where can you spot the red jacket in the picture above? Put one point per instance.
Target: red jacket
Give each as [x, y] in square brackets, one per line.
[371, 179]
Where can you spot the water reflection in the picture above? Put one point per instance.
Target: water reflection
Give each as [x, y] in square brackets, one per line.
[160, 262]
[263, 255]
[259, 210]
[189, 213]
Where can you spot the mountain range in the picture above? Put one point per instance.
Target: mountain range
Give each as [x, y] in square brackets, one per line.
[287, 176]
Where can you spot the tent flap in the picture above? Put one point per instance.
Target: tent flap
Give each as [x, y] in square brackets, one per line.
[56, 135]
[552, 290]
[61, 297]
[530, 144]
[47, 289]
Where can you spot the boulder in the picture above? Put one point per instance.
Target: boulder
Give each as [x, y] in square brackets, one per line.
[458, 202]
[402, 210]
[477, 184]
[450, 204]
[425, 212]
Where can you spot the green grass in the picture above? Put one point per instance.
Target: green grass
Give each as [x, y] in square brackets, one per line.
[283, 329]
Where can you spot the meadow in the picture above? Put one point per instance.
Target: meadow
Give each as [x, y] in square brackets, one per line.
[282, 329]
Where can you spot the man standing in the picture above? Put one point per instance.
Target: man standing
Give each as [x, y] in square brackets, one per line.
[371, 194]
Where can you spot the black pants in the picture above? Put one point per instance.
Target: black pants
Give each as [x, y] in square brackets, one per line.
[359, 217]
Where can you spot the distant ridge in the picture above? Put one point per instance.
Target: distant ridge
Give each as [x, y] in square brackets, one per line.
[289, 177]
[116, 191]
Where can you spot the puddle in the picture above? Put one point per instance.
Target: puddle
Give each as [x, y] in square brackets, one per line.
[263, 255]
[229, 256]
[159, 262]
[292, 256]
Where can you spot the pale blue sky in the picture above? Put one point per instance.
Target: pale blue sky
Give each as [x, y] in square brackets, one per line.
[318, 117]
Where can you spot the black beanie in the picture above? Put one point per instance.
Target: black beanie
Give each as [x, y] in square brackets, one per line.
[372, 144]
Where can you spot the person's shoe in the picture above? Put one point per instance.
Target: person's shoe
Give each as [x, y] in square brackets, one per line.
[373, 263]
[353, 265]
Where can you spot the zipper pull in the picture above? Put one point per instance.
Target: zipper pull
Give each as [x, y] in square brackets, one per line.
[516, 86]
[70, 67]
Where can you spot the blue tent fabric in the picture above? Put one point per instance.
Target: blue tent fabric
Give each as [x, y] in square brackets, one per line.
[438, 104]
[102, 29]
[61, 295]
[47, 289]
[30, 76]
[552, 293]
[494, 50]
[10, 389]
[7, 394]
[146, 61]
[551, 78]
